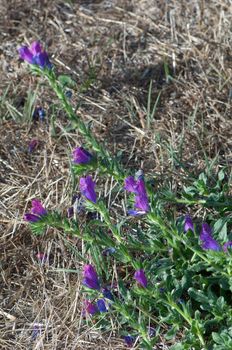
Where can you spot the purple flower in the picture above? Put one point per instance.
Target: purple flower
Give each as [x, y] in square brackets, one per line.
[81, 156]
[227, 245]
[141, 199]
[90, 308]
[37, 331]
[32, 145]
[107, 294]
[188, 224]
[130, 184]
[87, 186]
[34, 54]
[101, 305]
[129, 340]
[208, 242]
[141, 278]
[70, 212]
[31, 217]
[39, 113]
[37, 208]
[68, 93]
[37, 211]
[90, 277]
[42, 113]
[205, 230]
[108, 251]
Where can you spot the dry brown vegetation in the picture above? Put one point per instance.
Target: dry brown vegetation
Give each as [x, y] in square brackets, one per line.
[128, 43]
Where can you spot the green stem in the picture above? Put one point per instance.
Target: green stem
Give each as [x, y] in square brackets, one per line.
[203, 202]
[186, 317]
[107, 164]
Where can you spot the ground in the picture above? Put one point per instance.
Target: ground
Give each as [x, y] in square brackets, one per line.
[180, 51]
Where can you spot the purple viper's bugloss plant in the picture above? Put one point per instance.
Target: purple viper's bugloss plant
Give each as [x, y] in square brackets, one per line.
[31, 217]
[39, 114]
[34, 54]
[188, 224]
[130, 184]
[81, 156]
[90, 277]
[107, 294]
[141, 278]
[89, 307]
[87, 188]
[141, 199]
[37, 331]
[101, 305]
[108, 251]
[37, 211]
[208, 242]
[37, 208]
[70, 212]
[205, 230]
[129, 340]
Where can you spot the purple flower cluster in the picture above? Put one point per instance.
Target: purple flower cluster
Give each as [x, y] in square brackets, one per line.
[91, 281]
[87, 185]
[206, 237]
[208, 242]
[92, 308]
[34, 54]
[141, 199]
[37, 211]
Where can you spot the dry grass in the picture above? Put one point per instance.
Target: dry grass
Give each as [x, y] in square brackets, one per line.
[128, 43]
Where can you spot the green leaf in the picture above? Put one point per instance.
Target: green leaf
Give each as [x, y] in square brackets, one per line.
[177, 346]
[221, 175]
[66, 81]
[172, 332]
[198, 296]
[217, 338]
[220, 227]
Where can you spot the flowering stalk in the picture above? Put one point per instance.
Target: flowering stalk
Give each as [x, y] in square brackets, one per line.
[108, 165]
[202, 202]
[121, 247]
[173, 238]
